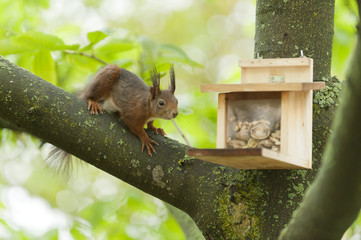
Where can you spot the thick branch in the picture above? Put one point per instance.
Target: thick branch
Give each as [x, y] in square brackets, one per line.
[61, 119]
[333, 201]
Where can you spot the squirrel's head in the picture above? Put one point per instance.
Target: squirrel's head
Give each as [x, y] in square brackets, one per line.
[163, 103]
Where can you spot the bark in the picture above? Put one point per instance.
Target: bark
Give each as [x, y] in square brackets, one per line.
[5, 124]
[283, 28]
[333, 201]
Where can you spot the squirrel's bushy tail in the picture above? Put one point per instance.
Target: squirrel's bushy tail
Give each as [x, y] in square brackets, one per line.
[60, 161]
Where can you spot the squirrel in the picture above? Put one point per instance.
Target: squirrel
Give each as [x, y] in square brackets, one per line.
[124, 93]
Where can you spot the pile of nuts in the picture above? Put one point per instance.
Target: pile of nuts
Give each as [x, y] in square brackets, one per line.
[255, 134]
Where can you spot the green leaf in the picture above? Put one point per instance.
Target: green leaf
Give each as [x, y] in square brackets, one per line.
[94, 38]
[84, 62]
[173, 49]
[117, 45]
[169, 52]
[149, 49]
[176, 59]
[31, 41]
[113, 49]
[38, 40]
[25, 60]
[162, 68]
[97, 36]
[44, 66]
[7, 46]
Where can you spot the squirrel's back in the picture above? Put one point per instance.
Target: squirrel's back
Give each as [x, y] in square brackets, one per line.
[129, 95]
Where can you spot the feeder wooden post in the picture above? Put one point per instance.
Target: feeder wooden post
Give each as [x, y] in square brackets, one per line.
[221, 121]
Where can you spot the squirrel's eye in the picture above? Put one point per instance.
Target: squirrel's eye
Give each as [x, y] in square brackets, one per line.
[161, 103]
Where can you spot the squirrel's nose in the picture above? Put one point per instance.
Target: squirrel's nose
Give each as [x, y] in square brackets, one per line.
[175, 114]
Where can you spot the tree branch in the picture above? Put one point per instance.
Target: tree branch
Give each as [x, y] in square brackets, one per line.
[48, 112]
[333, 201]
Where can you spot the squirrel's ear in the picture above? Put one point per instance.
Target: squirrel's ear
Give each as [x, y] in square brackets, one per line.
[152, 92]
[172, 79]
[155, 77]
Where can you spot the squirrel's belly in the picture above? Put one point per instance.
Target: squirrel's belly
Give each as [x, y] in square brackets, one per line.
[110, 106]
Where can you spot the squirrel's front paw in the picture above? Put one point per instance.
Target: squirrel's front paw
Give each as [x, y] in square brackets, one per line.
[159, 131]
[94, 107]
[147, 142]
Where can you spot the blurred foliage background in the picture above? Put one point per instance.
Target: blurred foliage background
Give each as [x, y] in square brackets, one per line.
[66, 42]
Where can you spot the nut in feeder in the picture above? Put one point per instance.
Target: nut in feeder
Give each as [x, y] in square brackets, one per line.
[265, 122]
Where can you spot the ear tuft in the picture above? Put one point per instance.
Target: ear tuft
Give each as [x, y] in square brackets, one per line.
[172, 79]
[155, 77]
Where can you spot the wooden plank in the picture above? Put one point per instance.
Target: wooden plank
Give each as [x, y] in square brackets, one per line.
[290, 72]
[263, 75]
[263, 87]
[247, 158]
[275, 62]
[286, 158]
[252, 96]
[221, 120]
[224, 152]
[296, 125]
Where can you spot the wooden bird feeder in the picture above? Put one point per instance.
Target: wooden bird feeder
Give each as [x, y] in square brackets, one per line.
[265, 122]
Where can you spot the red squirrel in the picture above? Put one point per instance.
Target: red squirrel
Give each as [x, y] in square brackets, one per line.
[137, 104]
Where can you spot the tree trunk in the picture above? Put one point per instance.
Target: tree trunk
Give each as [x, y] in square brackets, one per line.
[334, 199]
[283, 29]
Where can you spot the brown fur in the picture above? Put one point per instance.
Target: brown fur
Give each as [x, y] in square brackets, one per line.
[100, 87]
[137, 104]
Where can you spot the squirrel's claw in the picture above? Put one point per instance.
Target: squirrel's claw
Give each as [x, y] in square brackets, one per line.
[160, 131]
[94, 107]
[148, 144]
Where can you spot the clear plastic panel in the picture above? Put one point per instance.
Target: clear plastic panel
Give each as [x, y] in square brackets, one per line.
[254, 123]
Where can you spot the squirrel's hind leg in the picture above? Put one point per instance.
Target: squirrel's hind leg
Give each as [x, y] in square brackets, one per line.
[94, 107]
[100, 87]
